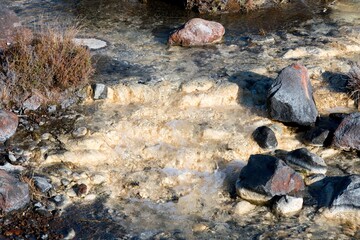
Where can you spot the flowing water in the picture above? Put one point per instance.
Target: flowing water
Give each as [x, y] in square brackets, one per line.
[169, 155]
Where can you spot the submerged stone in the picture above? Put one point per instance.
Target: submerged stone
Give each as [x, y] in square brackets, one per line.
[347, 135]
[8, 124]
[265, 177]
[197, 32]
[265, 137]
[305, 161]
[14, 194]
[290, 98]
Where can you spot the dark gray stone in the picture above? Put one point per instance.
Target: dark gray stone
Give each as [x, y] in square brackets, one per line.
[347, 135]
[265, 177]
[316, 136]
[303, 160]
[338, 193]
[265, 137]
[13, 193]
[42, 184]
[290, 98]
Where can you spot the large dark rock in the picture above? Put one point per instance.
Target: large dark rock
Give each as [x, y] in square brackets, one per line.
[8, 124]
[341, 195]
[290, 98]
[13, 193]
[303, 160]
[265, 177]
[316, 136]
[265, 137]
[347, 135]
[197, 32]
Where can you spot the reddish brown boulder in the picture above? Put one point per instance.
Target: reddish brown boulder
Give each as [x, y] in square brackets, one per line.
[265, 177]
[197, 32]
[347, 135]
[13, 193]
[8, 124]
[290, 98]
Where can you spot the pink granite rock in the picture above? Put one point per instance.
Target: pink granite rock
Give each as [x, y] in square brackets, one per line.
[13, 193]
[197, 32]
[8, 124]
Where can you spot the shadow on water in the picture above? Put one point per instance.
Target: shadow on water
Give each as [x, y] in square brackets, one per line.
[253, 88]
[161, 17]
[109, 70]
[90, 221]
[337, 82]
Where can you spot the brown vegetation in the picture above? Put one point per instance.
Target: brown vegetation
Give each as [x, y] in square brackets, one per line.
[44, 63]
[354, 81]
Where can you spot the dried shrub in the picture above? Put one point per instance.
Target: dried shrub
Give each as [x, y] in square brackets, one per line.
[45, 63]
[354, 81]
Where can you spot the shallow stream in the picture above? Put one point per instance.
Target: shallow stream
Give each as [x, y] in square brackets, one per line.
[169, 154]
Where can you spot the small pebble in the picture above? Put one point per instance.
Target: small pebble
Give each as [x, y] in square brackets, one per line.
[81, 189]
[199, 227]
[90, 197]
[98, 179]
[80, 132]
[45, 136]
[65, 182]
[71, 192]
[69, 234]
[12, 158]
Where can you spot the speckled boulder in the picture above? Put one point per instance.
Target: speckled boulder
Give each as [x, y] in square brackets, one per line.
[13, 193]
[290, 98]
[265, 177]
[8, 124]
[197, 32]
[347, 135]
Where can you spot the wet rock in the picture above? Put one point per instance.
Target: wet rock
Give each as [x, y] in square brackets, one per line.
[8, 124]
[288, 206]
[316, 136]
[14, 194]
[42, 184]
[265, 177]
[265, 137]
[347, 135]
[197, 32]
[290, 98]
[304, 161]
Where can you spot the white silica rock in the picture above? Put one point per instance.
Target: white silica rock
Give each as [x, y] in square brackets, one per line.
[288, 206]
[91, 43]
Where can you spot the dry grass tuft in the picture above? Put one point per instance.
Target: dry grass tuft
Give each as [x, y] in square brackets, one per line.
[354, 81]
[44, 63]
